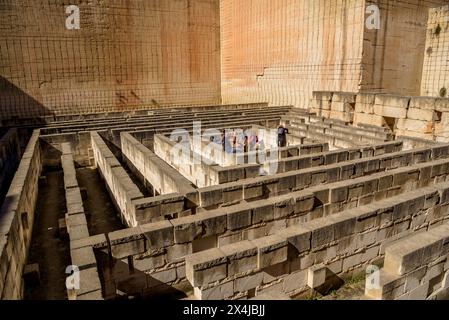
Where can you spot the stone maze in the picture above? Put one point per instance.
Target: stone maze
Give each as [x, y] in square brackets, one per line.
[151, 204]
[189, 150]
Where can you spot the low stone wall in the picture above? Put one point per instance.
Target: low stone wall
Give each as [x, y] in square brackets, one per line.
[83, 258]
[419, 117]
[16, 220]
[199, 170]
[134, 207]
[411, 142]
[49, 119]
[52, 149]
[356, 137]
[324, 157]
[303, 257]
[267, 186]
[417, 267]
[9, 159]
[118, 182]
[153, 170]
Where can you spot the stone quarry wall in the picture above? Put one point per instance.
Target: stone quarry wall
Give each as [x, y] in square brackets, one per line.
[435, 78]
[281, 51]
[393, 55]
[9, 159]
[16, 221]
[125, 55]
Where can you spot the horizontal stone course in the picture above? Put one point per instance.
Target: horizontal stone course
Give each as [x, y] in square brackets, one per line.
[318, 235]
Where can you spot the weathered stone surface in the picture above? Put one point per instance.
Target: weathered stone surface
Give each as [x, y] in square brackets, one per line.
[271, 250]
[206, 267]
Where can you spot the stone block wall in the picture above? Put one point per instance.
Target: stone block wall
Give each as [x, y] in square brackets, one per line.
[416, 117]
[199, 170]
[415, 268]
[83, 258]
[153, 170]
[303, 257]
[122, 189]
[16, 221]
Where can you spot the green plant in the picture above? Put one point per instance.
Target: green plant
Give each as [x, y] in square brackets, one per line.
[356, 279]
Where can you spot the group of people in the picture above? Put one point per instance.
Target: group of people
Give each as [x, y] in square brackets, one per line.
[233, 142]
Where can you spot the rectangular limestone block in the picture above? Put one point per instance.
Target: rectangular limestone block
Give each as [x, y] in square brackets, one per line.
[394, 101]
[295, 280]
[219, 292]
[366, 98]
[89, 281]
[127, 242]
[238, 216]
[206, 267]
[78, 232]
[442, 104]
[364, 108]
[83, 258]
[421, 114]
[408, 254]
[249, 282]
[158, 235]
[424, 127]
[389, 111]
[187, 229]
[298, 237]
[97, 241]
[271, 250]
[371, 119]
[304, 203]
[241, 257]
[262, 211]
[347, 97]
[232, 193]
[423, 103]
[214, 222]
[322, 233]
[210, 196]
[75, 220]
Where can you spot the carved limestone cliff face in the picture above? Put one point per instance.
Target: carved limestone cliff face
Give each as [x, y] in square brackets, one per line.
[125, 55]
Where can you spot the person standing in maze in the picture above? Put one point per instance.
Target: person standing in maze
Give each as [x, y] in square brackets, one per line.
[282, 136]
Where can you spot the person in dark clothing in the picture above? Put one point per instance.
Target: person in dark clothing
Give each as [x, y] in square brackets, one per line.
[245, 144]
[282, 136]
[223, 140]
